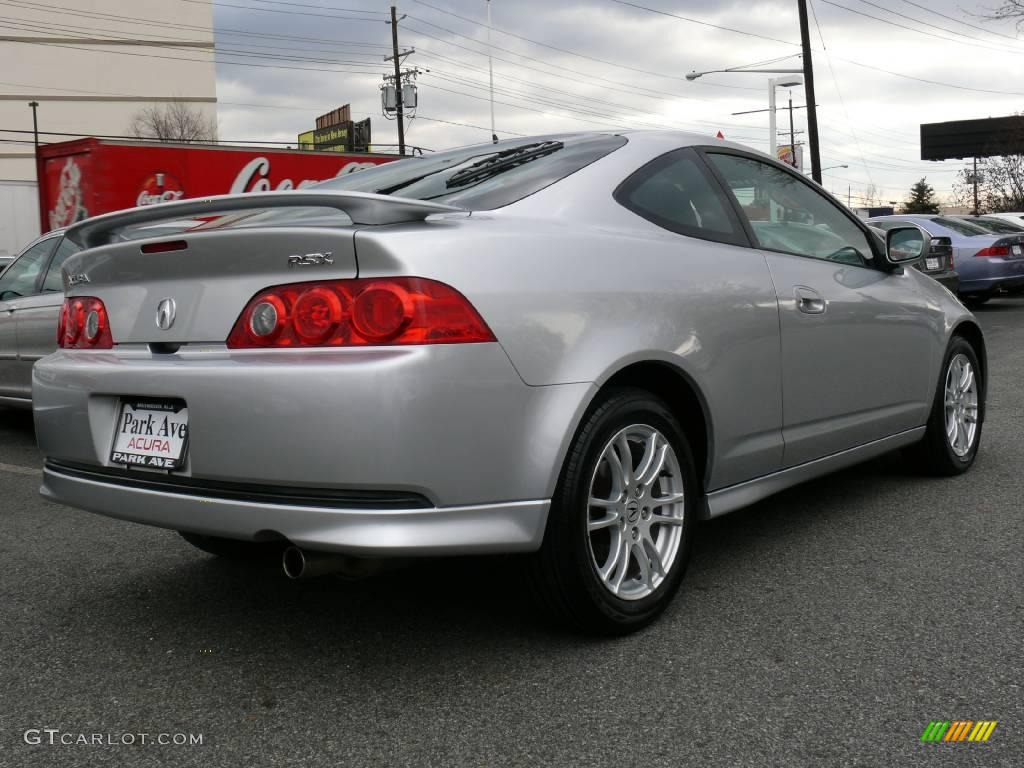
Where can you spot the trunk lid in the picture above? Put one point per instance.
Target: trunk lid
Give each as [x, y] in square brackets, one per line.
[210, 257]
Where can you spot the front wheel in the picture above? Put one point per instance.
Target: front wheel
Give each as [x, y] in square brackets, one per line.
[953, 433]
[619, 530]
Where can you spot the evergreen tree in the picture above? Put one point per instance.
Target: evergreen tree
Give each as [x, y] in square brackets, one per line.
[922, 199]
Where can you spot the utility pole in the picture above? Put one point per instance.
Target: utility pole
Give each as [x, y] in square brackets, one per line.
[490, 70]
[812, 111]
[35, 127]
[398, 81]
[975, 186]
[792, 133]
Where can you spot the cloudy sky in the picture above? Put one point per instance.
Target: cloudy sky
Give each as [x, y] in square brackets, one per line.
[882, 67]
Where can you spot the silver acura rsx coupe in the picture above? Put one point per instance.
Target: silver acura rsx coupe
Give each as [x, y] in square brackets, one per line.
[573, 346]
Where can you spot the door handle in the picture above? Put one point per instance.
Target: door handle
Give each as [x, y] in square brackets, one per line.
[809, 301]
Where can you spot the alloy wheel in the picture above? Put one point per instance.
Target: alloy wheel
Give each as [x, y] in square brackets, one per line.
[635, 512]
[961, 405]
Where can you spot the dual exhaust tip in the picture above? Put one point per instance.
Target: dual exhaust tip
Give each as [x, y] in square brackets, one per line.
[299, 563]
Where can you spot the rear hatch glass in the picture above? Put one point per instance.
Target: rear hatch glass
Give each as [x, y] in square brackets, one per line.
[485, 176]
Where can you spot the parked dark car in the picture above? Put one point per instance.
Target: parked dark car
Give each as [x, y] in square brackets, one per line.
[938, 262]
[988, 264]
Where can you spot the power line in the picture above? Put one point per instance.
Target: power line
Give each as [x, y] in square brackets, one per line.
[941, 29]
[289, 13]
[123, 19]
[158, 38]
[547, 45]
[835, 82]
[197, 61]
[250, 142]
[857, 63]
[373, 67]
[705, 23]
[891, 23]
[960, 21]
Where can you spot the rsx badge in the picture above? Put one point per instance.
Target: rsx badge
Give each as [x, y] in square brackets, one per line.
[311, 260]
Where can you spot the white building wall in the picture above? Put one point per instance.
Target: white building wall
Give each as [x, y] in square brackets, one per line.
[92, 67]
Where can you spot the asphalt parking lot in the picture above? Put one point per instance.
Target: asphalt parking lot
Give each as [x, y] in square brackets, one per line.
[825, 626]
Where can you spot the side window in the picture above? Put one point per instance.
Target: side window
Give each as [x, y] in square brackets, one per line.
[53, 281]
[787, 214]
[20, 279]
[677, 193]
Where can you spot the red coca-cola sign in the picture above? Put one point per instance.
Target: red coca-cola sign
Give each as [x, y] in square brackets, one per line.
[160, 188]
[91, 176]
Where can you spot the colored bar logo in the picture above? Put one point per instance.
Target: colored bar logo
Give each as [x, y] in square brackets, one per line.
[959, 730]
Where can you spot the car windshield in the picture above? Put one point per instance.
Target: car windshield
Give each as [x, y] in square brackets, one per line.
[485, 176]
[968, 228]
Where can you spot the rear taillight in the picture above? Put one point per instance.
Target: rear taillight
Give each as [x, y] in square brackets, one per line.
[84, 324]
[361, 312]
[994, 250]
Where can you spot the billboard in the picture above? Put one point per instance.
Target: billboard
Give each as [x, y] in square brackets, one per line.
[959, 139]
[786, 155]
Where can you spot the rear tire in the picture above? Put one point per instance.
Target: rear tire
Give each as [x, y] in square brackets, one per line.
[234, 549]
[950, 444]
[611, 567]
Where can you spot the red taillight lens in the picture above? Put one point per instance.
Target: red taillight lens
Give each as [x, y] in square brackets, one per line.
[382, 311]
[164, 247]
[994, 250]
[316, 314]
[363, 312]
[84, 325]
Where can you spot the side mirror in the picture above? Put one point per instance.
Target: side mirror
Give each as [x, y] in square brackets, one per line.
[904, 245]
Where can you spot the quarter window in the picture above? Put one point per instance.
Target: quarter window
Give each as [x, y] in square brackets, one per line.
[787, 214]
[677, 193]
[53, 282]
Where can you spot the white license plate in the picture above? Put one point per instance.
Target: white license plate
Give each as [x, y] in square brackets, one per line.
[1016, 250]
[931, 263]
[151, 433]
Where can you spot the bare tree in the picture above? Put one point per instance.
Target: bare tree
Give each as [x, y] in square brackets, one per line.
[872, 196]
[1000, 185]
[1010, 9]
[173, 121]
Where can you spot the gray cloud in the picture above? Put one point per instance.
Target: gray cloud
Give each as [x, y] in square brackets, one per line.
[870, 122]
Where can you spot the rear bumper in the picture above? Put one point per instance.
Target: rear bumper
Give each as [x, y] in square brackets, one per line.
[988, 276]
[991, 286]
[452, 427]
[366, 531]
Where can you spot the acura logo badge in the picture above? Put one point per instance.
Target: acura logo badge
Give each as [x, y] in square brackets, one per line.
[165, 311]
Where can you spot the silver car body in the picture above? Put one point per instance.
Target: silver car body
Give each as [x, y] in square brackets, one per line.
[28, 321]
[443, 449]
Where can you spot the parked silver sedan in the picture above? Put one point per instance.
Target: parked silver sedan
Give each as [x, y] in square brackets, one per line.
[31, 295]
[575, 346]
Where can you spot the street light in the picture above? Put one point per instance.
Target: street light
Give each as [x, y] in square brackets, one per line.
[795, 78]
[694, 75]
[833, 167]
[778, 82]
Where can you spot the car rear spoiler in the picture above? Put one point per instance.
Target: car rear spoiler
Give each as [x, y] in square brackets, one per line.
[362, 207]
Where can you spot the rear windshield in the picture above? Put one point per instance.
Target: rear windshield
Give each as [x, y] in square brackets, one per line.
[485, 176]
[960, 227]
[998, 226]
